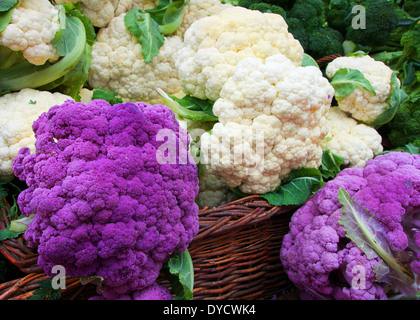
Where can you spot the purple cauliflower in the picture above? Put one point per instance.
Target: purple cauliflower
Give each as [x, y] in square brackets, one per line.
[105, 204]
[323, 258]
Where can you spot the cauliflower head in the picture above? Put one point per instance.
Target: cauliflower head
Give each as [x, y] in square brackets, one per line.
[32, 28]
[323, 262]
[362, 104]
[118, 65]
[105, 204]
[101, 12]
[272, 120]
[18, 111]
[214, 45]
[355, 142]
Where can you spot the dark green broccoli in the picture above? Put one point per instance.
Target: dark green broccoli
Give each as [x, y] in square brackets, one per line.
[297, 29]
[266, 7]
[381, 19]
[285, 4]
[410, 43]
[310, 12]
[336, 15]
[405, 126]
[325, 41]
[412, 7]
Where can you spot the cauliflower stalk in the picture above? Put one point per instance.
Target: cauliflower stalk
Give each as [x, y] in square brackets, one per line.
[45, 46]
[355, 142]
[18, 111]
[326, 254]
[105, 204]
[272, 120]
[367, 89]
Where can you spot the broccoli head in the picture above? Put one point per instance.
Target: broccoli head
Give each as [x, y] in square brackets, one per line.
[107, 201]
[265, 7]
[336, 15]
[325, 41]
[412, 7]
[381, 20]
[405, 126]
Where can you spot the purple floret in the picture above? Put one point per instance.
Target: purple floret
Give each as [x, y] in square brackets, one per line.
[104, 203]
[316, 254]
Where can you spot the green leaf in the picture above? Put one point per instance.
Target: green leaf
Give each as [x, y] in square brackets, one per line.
[398, 97]
[107, 95]
[6, 5]
[89, 28]
[346, 80]
[309, 61]
[192, 110]
[370, 236]
[5, 18]
[180, 273]
[302, 183]
[169, 15]
[46, 291]
[8, 234]
[147, 32]
[330, 165]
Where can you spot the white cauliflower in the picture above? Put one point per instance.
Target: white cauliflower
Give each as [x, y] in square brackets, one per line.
[355, 142]
[272, 120]
[214, 45]
[362, 104]
[32, 27]
[101, 12]
[18, 111]
[198, 9]
[118, 65]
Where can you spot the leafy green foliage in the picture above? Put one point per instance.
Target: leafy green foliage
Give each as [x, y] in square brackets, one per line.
[298, 189]
[6, 5]
[304, 182]
[149, 27]
[106, 95]
[46, 292]
[147, 32]
[189, 107]
[346, 80]
[180, 273]
[5, 18]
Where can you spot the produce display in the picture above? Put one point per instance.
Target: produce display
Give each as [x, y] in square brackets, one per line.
[122, 122]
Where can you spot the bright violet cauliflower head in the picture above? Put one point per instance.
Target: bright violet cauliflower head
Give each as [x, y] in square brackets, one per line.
[322, 261]
[105, 203]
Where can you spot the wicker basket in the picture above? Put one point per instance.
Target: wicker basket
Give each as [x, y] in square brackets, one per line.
[235, 255]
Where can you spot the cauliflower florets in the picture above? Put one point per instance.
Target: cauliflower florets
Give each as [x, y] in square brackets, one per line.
[272, 119]
[101, 12]
[18, 111]
[362, 104]
[31, 29]
[118, 65]
[214, 45]
[355, 142]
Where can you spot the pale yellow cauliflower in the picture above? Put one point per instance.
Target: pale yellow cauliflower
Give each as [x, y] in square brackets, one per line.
[18, 111]
[272, 120]
[32, 27]
[214, 45]
[357, 143]
[362, 104]
[118, 65]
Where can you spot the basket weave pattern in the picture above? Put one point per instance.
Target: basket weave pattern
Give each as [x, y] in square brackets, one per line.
[235, 255]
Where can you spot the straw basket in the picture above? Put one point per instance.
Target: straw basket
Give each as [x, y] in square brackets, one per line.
[236, 254]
